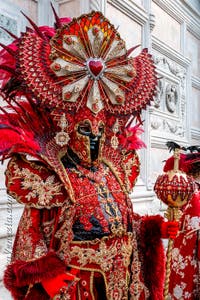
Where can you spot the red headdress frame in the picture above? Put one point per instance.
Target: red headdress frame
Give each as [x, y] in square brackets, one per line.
[84, 65]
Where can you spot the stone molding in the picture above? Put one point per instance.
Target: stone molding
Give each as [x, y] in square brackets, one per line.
[12, 12]
[196, 82]
[131, 9]
[180, 12]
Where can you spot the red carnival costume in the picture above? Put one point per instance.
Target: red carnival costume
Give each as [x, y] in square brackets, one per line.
[185, 265]
[70, 95]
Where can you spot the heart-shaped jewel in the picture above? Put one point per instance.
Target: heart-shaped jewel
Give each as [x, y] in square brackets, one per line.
[95, 67]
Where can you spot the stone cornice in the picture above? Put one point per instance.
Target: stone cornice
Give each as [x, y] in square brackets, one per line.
[196, 82]
[131, 9]
[169, 52]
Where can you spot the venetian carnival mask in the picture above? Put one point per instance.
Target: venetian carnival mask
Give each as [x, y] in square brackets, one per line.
[87, 137]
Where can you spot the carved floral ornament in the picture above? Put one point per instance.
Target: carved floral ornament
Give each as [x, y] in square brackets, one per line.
[170, 66]
[169, 94]
[167, 126]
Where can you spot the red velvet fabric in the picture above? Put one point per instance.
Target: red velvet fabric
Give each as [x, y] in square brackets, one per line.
[154, 259]
[53, 285]
[169, 229]
[20, 274]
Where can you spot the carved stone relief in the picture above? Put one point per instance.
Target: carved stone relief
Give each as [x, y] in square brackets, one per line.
[156, 123]
[8, 23]
[167, 126]
[159, 93]
[173, 127]
[171, 97]
[169, 113]
[164, 63]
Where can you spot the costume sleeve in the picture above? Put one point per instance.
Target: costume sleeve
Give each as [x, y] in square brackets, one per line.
[33, 259]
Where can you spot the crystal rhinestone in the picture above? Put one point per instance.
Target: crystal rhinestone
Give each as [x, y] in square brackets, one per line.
[56, 67]
[67, 95]
[62, 138]
[68, 40]
[131, 73]
[95, 107]
[119, 99]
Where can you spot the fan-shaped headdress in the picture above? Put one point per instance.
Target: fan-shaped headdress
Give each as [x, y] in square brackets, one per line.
[51, 78]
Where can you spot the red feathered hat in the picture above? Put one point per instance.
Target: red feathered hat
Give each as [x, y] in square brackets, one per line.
[188, 163]
[83, 66]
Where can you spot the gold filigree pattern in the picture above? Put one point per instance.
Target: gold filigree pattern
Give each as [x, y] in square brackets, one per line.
[25, 248]
[65, 233]
[127, 166]
[105, 255]
[118, 283]
[40, 249]
[111, 257]
[43, 190]
[137, 286]
[24, 243]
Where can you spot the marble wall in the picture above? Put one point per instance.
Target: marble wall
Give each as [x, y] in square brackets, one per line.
[171, 31]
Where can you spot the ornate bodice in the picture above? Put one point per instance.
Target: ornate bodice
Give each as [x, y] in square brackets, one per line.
[101, 205]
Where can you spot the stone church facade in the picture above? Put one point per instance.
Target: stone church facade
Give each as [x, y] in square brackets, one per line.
[170, 29]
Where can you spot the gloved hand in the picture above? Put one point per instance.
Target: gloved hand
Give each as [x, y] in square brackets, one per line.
[169, 229]
[54, 285]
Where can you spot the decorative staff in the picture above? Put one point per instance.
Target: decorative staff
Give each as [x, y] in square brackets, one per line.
[174, 188]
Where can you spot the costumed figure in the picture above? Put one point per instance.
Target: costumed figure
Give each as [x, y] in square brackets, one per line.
[66, 126]
[184, 280]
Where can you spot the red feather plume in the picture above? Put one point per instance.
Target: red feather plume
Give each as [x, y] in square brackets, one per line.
[130, 140]
[23, 129]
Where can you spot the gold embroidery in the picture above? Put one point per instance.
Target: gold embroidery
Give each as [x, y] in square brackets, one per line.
[24, 241]
[109, 256]
[105, 256]
[115, 173]
[27, 249]
[137, 287]
[65, 233]
[43, 190]
[118, 284]
[127, 167]
[40, 249]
